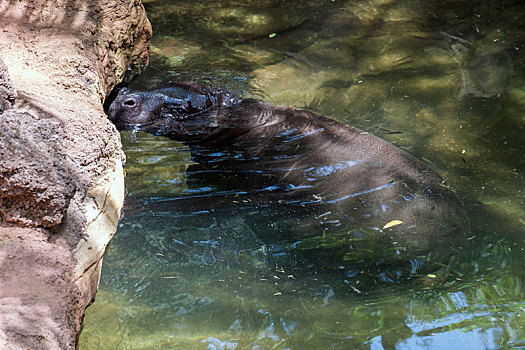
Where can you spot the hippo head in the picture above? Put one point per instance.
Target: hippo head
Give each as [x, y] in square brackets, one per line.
[178, 110]
[136, 109]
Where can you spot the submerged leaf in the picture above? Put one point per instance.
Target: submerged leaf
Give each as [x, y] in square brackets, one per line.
[392, 223]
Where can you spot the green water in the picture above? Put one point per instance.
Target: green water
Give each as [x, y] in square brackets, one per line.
[443, 80]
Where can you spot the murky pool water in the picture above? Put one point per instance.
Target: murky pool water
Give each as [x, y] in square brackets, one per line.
[443, 80]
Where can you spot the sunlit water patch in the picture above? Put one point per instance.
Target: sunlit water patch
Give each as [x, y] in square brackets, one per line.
[441, 80]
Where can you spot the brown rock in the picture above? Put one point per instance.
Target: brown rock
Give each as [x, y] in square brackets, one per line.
[38, 303]
[61, 182]
[36, 182]
[7, 90]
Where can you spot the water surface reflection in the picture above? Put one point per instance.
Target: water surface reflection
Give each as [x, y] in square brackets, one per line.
[442, 80]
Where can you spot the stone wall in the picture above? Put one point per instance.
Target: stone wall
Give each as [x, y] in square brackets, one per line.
[61, 178]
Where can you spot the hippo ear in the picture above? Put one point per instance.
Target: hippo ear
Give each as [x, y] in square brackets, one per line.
[123, 91]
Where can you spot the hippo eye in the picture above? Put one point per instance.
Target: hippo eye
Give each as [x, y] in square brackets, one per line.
[130, 102]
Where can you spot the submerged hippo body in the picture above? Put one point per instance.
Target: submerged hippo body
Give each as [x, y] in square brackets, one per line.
[346, 179]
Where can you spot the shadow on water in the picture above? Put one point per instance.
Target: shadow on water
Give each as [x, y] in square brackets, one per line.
[407, 71]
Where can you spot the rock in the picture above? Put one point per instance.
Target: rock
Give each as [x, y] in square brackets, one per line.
[7, 90]
[61, 179]
[38, 194]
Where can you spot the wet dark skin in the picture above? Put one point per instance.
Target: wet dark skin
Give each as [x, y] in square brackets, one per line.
[270, 155]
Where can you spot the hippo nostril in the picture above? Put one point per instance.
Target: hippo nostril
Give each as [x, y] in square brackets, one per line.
[130, 102]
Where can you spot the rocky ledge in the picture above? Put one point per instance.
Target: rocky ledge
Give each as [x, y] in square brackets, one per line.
[61, 178]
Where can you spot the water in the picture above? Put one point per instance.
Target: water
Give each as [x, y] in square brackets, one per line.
[442, 80]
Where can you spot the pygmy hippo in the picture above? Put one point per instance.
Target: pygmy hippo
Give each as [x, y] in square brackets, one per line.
[348, 179]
